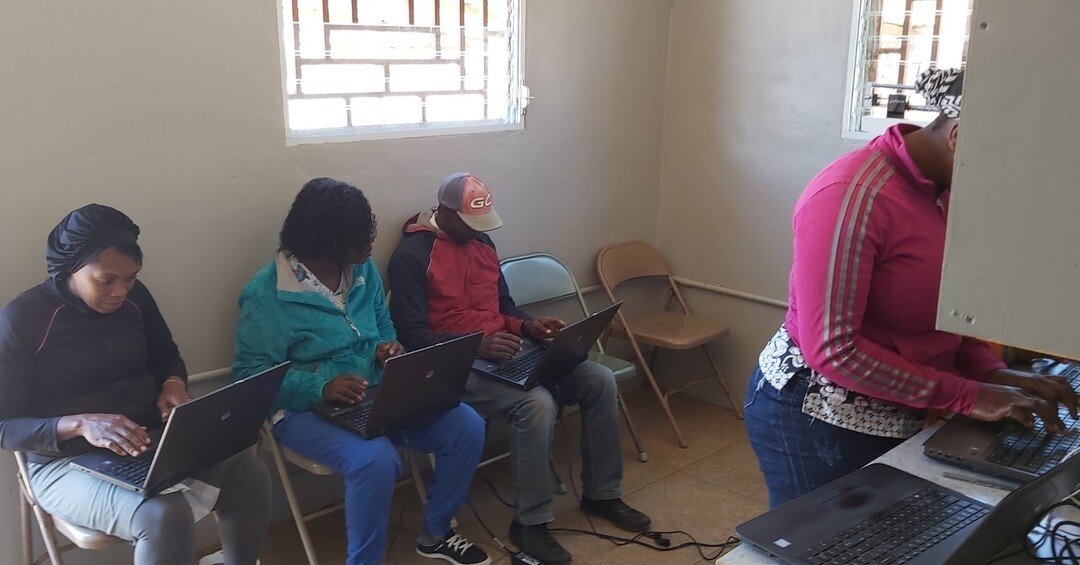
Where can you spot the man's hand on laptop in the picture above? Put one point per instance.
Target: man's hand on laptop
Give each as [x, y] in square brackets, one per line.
[388, 350]
[346, 389]
[542, 328]
[115, 433]
[1049, 388]
[997, 402]
[499, 346]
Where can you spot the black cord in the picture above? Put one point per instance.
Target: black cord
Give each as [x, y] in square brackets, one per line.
[495, 491]
[657, 537]
[487, 529]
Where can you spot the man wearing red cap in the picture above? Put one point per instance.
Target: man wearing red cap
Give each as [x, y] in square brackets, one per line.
[446, 282]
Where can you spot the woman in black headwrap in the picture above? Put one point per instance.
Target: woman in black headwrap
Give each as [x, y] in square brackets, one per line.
[86, 360]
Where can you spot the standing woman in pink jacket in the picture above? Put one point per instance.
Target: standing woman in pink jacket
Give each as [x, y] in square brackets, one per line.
[858, 361]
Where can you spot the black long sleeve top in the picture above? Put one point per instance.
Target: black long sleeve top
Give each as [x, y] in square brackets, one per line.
[60, 358]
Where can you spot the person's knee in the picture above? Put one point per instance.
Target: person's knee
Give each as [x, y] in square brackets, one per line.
[169, 515]
[374, 460]
[536, 409]
[248, 477]
[468, 427]
[599, 385]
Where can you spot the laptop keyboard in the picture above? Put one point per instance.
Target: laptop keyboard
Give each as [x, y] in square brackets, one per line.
[899, 533]
[519, 368]
[1034, 450]
[133, 471]
[357, 417]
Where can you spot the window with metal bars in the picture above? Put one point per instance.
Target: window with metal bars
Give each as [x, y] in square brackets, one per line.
[892, 42]
[370, 69]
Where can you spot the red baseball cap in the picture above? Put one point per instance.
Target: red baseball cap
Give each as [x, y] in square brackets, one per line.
[471, 199]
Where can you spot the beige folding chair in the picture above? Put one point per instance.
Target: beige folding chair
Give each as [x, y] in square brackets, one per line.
[540, 277]
[281, 454]
[630, 260]
[83, 538]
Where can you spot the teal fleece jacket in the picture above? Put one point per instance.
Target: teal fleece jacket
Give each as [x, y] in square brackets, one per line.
[279, 321]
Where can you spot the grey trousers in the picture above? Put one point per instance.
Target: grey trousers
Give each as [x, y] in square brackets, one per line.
[162, 528]
[531, 415]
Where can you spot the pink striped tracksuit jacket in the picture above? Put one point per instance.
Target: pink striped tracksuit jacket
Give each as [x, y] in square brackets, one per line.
[869, 238]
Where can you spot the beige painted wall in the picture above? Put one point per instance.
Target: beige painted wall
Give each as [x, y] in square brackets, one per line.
[172, 112]
[752, 111]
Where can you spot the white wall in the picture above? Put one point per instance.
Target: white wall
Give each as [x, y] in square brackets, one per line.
[752, 111]
[172, 112]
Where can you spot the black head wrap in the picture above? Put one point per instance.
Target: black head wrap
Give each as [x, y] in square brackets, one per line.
[83, 234]
[943, 89]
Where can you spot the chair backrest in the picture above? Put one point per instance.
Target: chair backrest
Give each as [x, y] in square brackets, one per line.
[538, 277]
[618, 263]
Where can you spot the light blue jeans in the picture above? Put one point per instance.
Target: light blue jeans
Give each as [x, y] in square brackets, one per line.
[532, 423]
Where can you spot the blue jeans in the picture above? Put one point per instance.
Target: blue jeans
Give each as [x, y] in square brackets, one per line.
[371, 468]
[795, 452]
[531, 415]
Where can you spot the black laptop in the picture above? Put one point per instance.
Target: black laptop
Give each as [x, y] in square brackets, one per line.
[1008, 449]
[541, 360]
[881, 515]
[197, 435]
[418, 386]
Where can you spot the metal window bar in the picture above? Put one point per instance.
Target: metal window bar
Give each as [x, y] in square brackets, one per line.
[299, 59]
[871, 33]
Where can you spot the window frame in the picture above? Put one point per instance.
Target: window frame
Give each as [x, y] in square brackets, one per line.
[295, 138]
[872, 126]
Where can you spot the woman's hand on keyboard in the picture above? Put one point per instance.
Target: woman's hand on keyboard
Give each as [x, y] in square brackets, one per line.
[347, 389]
[388, 350]
[113, 432]
[1048, 388]
[997, 402]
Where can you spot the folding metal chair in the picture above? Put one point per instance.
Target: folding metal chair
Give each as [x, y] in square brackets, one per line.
[83, 538]
[621, 262]
[540, 277]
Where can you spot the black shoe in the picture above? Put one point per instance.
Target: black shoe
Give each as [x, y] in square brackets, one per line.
[538, 542]
[617, 512]
[455, 549]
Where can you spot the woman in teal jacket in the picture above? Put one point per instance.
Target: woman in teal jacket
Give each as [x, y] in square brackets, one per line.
[320, 305]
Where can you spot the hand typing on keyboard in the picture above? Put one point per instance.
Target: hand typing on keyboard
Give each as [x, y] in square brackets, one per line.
[346, 388]
[542, 328]
[1053, 389]
[997, 402]
[499, 346]
[110, 431]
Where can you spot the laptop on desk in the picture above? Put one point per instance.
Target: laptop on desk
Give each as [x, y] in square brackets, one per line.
[417, 386]
[539, 361]
[882, 516]
[197, 435]
[1007, 449]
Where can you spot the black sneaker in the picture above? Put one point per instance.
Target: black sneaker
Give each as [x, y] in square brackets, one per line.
[538, 542]
[617, 512]
[455, 549]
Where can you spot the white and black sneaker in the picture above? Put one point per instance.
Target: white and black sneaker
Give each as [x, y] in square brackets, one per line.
[455, 549]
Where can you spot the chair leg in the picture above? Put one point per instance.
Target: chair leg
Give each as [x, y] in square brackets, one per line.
[642, 456]
[649, 376]
[418, 480]
[27, 531]
[735, 405]
[48, 534]
[290, 495]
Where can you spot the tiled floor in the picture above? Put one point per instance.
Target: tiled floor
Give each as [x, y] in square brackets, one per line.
[705, 490]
